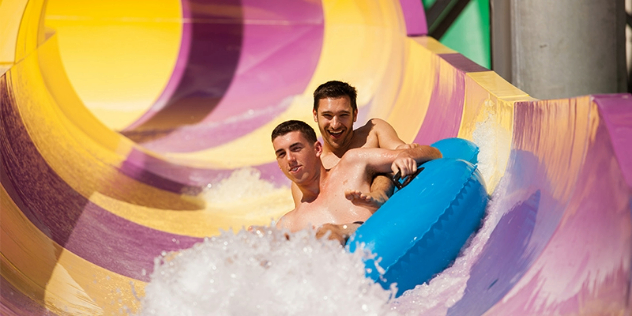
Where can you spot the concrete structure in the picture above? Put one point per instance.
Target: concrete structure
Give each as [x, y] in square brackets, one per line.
[559, 49]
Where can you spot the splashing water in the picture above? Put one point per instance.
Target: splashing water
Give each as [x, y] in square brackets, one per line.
[493, 141]
[242, 185]
[263, 273]
[245, 195]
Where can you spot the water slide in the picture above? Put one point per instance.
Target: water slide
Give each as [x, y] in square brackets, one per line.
[124, 125]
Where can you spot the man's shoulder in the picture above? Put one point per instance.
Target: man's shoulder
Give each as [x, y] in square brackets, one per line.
[355, 156]
[379, 124]
[287, 220]
[370, 132]
[374, 125]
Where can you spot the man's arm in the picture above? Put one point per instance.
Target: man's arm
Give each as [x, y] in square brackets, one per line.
[380, 160]
[386, 134]
[408, 159]
[381, 187]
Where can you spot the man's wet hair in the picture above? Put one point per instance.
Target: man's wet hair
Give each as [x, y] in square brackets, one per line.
[335, 89]
[295, 125]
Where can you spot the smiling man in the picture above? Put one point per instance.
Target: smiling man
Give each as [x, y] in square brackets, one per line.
[324, 191]
[335, 110]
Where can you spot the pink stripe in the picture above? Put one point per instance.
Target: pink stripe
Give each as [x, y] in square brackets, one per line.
[443, 118]
[280, 47]
[567, 251]
[178, 70]
[616, 111]
[415, 17]
[14, 302]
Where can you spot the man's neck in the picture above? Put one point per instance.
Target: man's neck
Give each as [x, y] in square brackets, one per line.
[338, 153]
[311, 189]
[327, 150]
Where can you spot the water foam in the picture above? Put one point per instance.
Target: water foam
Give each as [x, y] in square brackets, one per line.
[263, 273]
[242, 185]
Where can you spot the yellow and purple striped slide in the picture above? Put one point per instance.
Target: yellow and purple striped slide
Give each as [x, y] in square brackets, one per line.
[117, 116]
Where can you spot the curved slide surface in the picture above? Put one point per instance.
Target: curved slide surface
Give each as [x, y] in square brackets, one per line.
[119, 119]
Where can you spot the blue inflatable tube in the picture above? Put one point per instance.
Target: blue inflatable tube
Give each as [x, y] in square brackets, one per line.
[421, 229]
[458, 148]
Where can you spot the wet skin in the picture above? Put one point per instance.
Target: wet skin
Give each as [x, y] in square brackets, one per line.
[323, 191]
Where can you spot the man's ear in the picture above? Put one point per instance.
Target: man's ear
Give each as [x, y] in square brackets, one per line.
[319, 148]
[315, 115]
[355, 115]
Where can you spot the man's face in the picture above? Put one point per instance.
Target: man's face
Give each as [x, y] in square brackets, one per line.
[335, 119]
[297, 157]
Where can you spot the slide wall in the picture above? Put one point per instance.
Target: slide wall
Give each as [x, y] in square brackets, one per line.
[119, 119]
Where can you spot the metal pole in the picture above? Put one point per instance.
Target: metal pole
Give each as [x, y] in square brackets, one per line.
[561, 48]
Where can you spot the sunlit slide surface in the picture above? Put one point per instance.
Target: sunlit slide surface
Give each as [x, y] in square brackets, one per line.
[133, 130]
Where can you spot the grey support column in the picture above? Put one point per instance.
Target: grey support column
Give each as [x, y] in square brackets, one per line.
[562, 48]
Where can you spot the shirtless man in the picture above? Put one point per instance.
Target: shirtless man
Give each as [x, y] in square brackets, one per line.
[335, 110]
[324, 200]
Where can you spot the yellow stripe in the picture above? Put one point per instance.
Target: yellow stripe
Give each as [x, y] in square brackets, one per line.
[11, 16]
[414, 96]
[433, 45]
[52, 71]
[55, 277]
[118, 54]
[30, 34]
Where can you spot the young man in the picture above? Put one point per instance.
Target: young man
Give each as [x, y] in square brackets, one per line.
[335, 110]
[324, 191]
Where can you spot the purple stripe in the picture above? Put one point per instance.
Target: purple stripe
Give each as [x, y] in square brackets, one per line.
[15, 302]
[443, 118]
[616, 110]
[588, 257]
[415, 17]
[211, 62]
[186, 180]
[178, 70]
[586, 232]
[68, 218]
[280, 45]
[462, 63]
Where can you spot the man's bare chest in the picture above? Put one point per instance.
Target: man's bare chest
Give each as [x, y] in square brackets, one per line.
[329, 160]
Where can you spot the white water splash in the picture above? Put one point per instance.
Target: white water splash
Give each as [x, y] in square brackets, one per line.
[494, 143]
[242, 185]
[263, 273]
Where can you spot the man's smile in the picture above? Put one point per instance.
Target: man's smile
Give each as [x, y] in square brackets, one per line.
[295, 169]
[336, 134]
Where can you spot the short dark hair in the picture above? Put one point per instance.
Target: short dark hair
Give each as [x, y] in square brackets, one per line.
[335, 89]
[295, 125]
